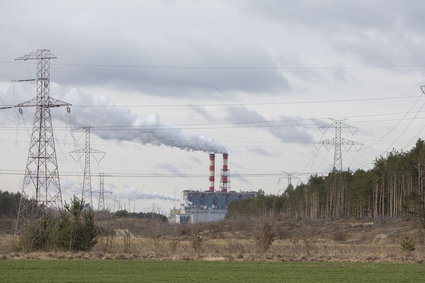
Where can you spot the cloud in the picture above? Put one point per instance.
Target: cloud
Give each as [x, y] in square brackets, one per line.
[286, 128]
[236, 165]
[170, 168]
[381, 32]
[131, 193]
[239, 177]
[260, 151]
[209, 50]
[138, 51]
[195, 160]
[70, 187]
[337, 15]
[379, 48]
[291, 132]
[190, 70]
[202, 112]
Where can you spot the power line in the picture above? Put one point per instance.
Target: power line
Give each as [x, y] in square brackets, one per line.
[245, 144]
[241, 104]
[217, 67]
[146, 175]
[399, 121]
[212, 126]
[405, 128]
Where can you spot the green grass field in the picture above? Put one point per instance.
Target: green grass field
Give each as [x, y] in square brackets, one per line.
[202, 271]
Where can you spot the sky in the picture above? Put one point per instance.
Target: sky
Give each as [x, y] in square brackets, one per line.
[163, 83]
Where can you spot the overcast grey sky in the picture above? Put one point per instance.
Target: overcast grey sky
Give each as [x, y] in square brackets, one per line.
[158, 79]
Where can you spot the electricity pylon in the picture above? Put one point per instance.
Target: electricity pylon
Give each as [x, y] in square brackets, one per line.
[41, 188]
[101, 201]
[338, 141]
[87, 152]
[289, 176]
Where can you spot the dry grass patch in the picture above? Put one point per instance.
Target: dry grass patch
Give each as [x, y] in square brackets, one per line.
[231, 240]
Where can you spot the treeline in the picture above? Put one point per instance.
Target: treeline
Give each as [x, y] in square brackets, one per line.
[391, 189]
[147, 215]
[258, 205]
[9, 203]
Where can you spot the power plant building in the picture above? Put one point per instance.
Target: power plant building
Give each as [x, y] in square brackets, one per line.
[210, 205]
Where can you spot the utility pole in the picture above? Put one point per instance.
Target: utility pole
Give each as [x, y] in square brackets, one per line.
[41, 188]
[338, 141]
[87, 152]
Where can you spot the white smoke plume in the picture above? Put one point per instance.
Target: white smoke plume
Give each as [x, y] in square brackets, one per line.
[131, 193]
[123, 125]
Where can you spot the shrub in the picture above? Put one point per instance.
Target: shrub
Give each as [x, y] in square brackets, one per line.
[39, 235]
[106, 242]
[77, 229]
[340, 236]
[126, 237]
[197, 241]
[407, 244]
[264, 234]
[174, 244]
[73, 229]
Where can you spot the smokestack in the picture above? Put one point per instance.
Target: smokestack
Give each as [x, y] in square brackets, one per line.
[212, 172]
[225, 173]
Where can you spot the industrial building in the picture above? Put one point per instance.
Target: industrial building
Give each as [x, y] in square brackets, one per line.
[209, 205]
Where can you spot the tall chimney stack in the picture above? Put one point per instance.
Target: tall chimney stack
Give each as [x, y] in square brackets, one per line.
[212, 172]
[225, 173]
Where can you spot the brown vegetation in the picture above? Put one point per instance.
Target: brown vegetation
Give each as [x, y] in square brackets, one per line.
[240, 239]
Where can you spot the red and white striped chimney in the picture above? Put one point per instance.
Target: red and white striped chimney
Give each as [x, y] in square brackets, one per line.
[212, 172]
[225, 173]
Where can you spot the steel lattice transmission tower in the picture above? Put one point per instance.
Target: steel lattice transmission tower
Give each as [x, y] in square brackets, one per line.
[87, 152]
[338, 141]
[41, 187]
[101, 202]
[289, 176]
